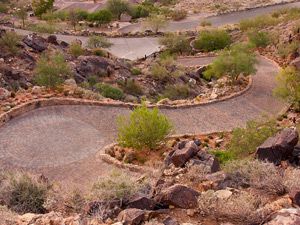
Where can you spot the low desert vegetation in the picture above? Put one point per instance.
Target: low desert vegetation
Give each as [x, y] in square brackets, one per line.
[144, 128]
[176, 43]
[9, 42]
[288, 49]
[131, 87]
[178, 15]
[22, 192]
[211, 40]
[233, 62]
[165, 68]
[109, 91]
[288, 86]
[51, 70]
[177, 91]
[75, 49]
[98, 42]
[155, 23]
[259, 38]
[42, 6]
[47, 28]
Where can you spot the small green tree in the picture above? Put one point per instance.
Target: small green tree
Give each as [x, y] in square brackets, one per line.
[176, 43]
[103, 16]
[75, 49]
[117, 7]
[41, 6]
[155, 23]
[211, 40]
[145, 128]
[238, 60]
[288, 86]
[9, 42]
[51, 70]
[98, 42]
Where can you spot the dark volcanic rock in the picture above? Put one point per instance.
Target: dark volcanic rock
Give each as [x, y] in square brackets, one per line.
[141, 202]
[179, 196]
[131, 216]
[52, 39]
[280, 147]
[36, 42]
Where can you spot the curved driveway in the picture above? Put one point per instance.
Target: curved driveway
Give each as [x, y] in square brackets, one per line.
[62, 141]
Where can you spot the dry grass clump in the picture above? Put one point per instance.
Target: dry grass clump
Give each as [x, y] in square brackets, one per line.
[197, 173]
[117, 186]
[239, 208]
[292, 179]
[256, 174]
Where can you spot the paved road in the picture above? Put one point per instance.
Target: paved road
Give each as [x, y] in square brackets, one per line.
[191, 23]
[61, 141]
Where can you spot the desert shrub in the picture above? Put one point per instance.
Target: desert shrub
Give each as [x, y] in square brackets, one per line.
[98, 42]
[130, 86]
[99, 52]
[74, 202]
[259, 38]
[176, 43]
[139, 11]
[3, 7]
[103, 16]
[176, 91]
[165, 68]
[205, 23]
[117, 7]
[288, 86]
[258, 22]
[75, 49]
[109, 91]
[145, 128]
[9, 42]
[118, 185]
[51, 70]
[54, 16]
[239, 208]
[41, 6]
[155, 22]
[223, 156]
[244, 141]
[136, 71]
[238, 60]
[287, 49]
[22, 192]
[48, 28]
[197, 173]
[257, 174]
[211, 40]
[178, 15]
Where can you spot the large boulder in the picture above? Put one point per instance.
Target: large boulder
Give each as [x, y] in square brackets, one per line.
[36, 42]
[182, 153]
[132, 216]
[280, 147]
[207, 160]
[93, 66]
[179, 196]
[289, 216]
[141, 202]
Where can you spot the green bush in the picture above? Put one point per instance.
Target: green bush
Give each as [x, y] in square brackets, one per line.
[3, 7]
[288, 86]
[23, 193]
[109, 91]
[48, 28]
[145, 128]
[211, 40]
[259, 38]
[176, 43]
[176, 91]
[98, 42]
[103, 16]
[130, 86]
[155, 22]
[223, 156]
[163, 69]
[136, 71]
[117, 7]
[51, 70]
[244, 141]
[41, 6]
[54, 16]
[139, 11]
[9, 42]
[238, 60]
[75, 49]
[205, 23]
[99, 52]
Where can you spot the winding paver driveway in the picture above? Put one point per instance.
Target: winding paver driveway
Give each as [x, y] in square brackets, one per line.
[62, 141]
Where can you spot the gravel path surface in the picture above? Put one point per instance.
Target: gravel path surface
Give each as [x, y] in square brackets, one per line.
[62, 141]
